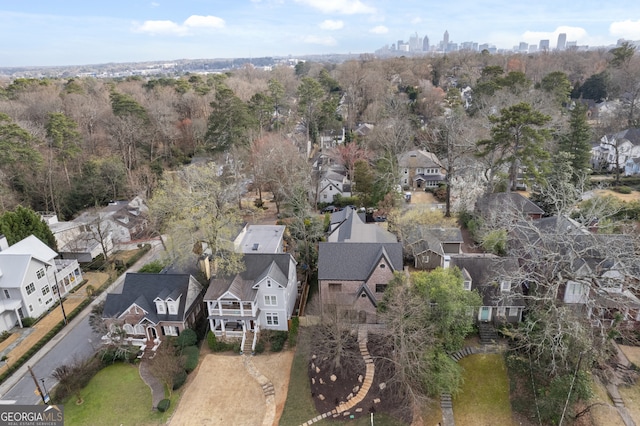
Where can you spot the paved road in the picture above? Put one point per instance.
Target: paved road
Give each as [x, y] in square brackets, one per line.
[74, 342]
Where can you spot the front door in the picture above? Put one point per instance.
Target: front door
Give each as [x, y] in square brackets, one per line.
[485, 313]
[152, 333]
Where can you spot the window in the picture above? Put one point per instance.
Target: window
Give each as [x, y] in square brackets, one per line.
[30, 288]
[170, 330]
[324, 196]
[501, 311]
[382, 266]
[7, 295]
[128, 328]
[513, 312]
[269, 283]
[335, 287]
[45, 290]
[380, 288]
[505, 286]
[160, 307]
[138, 329]
[172, 308]
[30, 308]
[272, 318]
[467, 285]
[40, 273]
[270, 300]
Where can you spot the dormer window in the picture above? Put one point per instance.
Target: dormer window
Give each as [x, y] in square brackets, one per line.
[505, 285]
[467, 285]
[172, 308]
[160, 307]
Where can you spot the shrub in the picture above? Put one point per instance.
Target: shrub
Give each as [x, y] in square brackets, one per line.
[28, 321]
[622, 189]
[220, 345]
[163, 405]
[277, 340]
[191, 354]
[259, 347]
[179, 380]
[154, 267]
[188, 337]
[4, 336]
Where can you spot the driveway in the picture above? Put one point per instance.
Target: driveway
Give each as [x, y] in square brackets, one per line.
[224, 393]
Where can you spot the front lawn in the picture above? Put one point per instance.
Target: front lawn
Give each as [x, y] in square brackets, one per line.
[115, 396]
[484, 397]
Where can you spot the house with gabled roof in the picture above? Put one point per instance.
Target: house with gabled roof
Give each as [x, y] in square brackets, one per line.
[495, 280]
[420, 169]
[333, 183]
[32, 280]
[430, 247]
[507, 206]
[347, 226]
[151, 307]
[261, 297]
[353, 276]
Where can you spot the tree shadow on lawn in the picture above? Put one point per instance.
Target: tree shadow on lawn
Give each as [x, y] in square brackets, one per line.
[115, 395]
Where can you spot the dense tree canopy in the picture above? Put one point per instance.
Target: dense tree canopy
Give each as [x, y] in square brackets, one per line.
[22, 222]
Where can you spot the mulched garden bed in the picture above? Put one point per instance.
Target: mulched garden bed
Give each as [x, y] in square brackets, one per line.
[330, 388]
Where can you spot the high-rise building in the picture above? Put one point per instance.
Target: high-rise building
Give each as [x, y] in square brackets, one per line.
[523, 47]
[562, 41]
[445, 41]
[415, 43]
[425, 44]
[544, 45]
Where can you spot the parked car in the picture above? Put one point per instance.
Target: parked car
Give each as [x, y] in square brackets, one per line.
[329, 209]
[380, 218]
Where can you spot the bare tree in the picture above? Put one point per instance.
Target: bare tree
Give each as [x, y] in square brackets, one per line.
[167, 364]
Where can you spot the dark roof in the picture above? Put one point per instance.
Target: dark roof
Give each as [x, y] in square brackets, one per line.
[354, 229]
[257, 266]
[486, 271]
[355, 261]
[504, 201]
[418, 159]
[143, 289]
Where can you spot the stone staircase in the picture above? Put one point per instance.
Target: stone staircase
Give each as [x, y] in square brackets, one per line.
[488, 333]
[467, 350]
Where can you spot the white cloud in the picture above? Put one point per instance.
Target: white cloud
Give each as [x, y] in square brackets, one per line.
[330, 24]
[160, 27]
[416, 20]
[625, 29]
[198, 21]
[325, 41]
[172, 28]
[344, 7]
[155, 4]
[380, 29]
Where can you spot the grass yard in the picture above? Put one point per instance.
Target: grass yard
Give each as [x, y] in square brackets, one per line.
[484, 397]
[115, 396]
[631, 397]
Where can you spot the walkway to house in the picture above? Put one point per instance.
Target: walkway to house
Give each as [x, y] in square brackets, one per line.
[370, 368]
[156, 386]
[267, 389]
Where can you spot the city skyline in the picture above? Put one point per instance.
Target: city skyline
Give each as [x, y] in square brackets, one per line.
[73, 32]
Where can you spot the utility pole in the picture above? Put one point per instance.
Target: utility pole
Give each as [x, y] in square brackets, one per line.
[38, 391]
[64, 314]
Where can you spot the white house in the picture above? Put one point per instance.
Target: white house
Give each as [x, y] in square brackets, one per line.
[331, 184]
[263, 296]
[624, 145]
[31, 280]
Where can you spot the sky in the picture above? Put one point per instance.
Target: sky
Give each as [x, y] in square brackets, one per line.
[82, 32]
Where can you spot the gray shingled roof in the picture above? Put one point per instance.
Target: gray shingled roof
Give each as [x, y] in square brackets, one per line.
[257, 266]
[354, 229]
[486, 270]
[355, 261]
[143, 289]
[507, 201]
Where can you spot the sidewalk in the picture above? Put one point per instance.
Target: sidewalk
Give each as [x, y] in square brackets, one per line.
[27, 339]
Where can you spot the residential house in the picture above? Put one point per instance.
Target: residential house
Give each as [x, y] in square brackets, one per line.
[260, 239]
[153, 306]
[429, 247]
[352, 276]
[333, 183]
[125, 220]
[347, 226]
[79, 240]
[32, 280]
[507, 206]
[616, 150]
[420, 169]
[262, 296]
[494, 278]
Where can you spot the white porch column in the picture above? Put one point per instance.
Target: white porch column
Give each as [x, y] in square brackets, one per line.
[18, 316]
